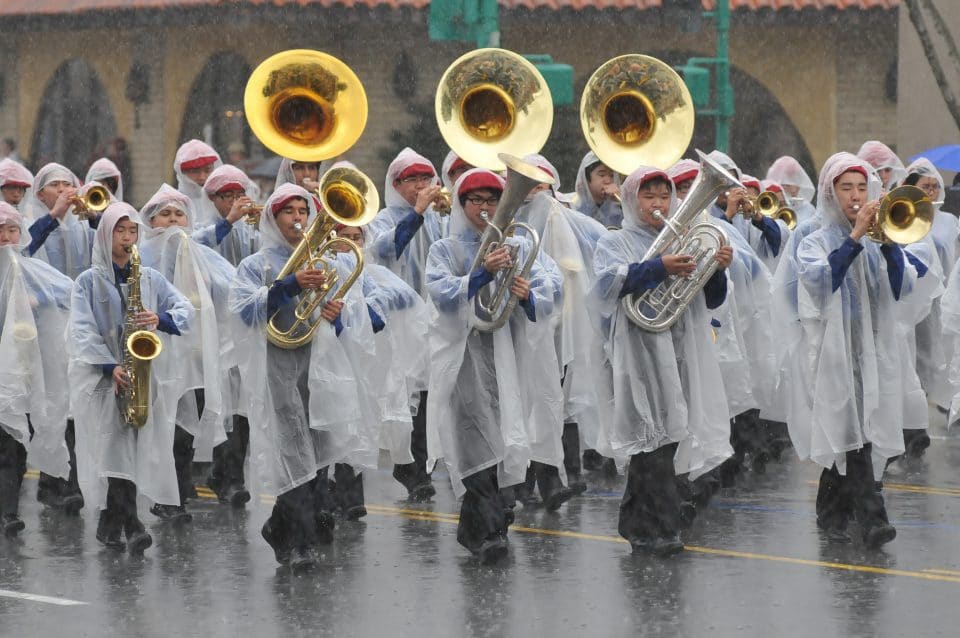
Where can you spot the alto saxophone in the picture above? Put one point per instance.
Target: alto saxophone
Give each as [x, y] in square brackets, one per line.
[140, 347]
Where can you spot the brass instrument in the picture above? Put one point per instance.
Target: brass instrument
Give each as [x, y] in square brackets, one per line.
[252, 215]
[90, 199]
[787, 215]
[305, 105]
[767, 204]
[140, 347]
[636, 111]
[658, 309]
[905, 217]
[490, 100]
[443, 204]
[491, 311]
[347, 197]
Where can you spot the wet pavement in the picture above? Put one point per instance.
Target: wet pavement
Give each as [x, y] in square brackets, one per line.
[755, 565]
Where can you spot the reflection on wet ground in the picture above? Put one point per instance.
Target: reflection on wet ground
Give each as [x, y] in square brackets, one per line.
[755, 565]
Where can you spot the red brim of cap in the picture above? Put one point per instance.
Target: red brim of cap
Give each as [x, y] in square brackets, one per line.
[232, 186]
[684, 176]
[416, 169]
[852, 169]
[14, 182]
[197, 163]
[278, 205]
[653, 175]
[480, 180]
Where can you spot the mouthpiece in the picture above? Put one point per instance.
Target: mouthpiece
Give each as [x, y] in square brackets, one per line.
[856, 207]
[298, 227]
[657, 214]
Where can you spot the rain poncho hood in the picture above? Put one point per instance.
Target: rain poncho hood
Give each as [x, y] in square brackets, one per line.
[103, 169]
[243, 239]
[191, 152]
[609, 212]
[880, 156]
[67, 248]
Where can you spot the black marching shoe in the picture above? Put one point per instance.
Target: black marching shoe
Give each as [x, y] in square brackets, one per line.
[176, 514]
[355, 513]
[423, 492]
[72, 504]
[833, 533]
[302, 558]
[234, 495]
[49, 498]
[281, 553]
[641, 545]
[879, 535]
[492, 550]
[139, 542]
[12, 525]
[558, 497]
[667, 546]
[109, 535]
[578, 485]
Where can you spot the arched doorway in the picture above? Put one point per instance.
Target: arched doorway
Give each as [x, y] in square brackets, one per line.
[214, 111]
[75, 119]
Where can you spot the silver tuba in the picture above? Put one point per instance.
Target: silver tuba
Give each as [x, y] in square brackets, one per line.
[658, 309]
[491, 312]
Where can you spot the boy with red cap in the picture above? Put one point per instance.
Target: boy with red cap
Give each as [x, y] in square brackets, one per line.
[15, 179]
[193, 163]
[224, 203]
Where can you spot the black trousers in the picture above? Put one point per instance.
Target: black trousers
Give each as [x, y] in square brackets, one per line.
[571, 450]
[650, 507]
[413, 474]
[13, 465]
[482, 513]
[55, 484]
[542, 476]
[229, 456]
[856, 495]
[120, 513]
[347, 487]
[183, 462]
[292, 519]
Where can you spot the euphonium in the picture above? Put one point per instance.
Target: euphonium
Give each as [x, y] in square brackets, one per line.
[905, 217]
[492, 313]
[658, 309]
[347, 197]
[140, 347]
[636, 111]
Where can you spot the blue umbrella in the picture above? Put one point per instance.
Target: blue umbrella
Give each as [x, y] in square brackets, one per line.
[943, 157]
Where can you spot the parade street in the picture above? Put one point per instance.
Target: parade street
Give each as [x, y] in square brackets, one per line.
[755, 565]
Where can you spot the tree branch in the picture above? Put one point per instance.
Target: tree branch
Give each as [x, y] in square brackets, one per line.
[916, 17]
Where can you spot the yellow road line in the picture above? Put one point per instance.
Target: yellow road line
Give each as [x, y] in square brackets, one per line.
[950, 572]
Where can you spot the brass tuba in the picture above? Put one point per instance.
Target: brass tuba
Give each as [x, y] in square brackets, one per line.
[683, 233]
[310, 106]
[634, 111]
[490, 101]
[905, 217]
[140, 347]
[347, 197]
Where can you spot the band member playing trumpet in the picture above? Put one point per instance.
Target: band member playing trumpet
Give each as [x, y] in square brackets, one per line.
[848, 294]
[34, 305]
[112, 453]
[105, 172]
[598, 191]
[225, 203]
[303, 174]
[797, 185]
[62, 240]
[295, 411]
[400, 237]
[670, 412]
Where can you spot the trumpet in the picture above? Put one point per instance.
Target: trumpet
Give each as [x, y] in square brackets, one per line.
[905, 217]
[443, 203]
[252, 216]
[90, 201]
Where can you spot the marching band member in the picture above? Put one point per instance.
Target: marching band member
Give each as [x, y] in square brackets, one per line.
[400, 237]
[495, 401]
[304, 174]
[205, 352]
[193, 163]
[104, 171]
[34, 305]
[110, 452]
[224, 203]
[797, 185]
[299, 422]
[453, 167]
[888, 166]
[848, 291]
[60, 238]
[15, 180]
[598, 191]
[670, 413]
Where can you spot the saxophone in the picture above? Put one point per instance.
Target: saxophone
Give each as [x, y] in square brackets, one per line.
[140, 347]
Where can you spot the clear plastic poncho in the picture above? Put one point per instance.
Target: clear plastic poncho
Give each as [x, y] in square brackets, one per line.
[850, 341]
[102, 169]
[106, 446]
[243, 239]
[494, 398]
[295, 428]
[880, 156]
[411, 264]
[609, 212]
[205, 352]
[667, 386]
[12, 172]
[67, 248]
[569, 238]
[34, 305]
[787, 171]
